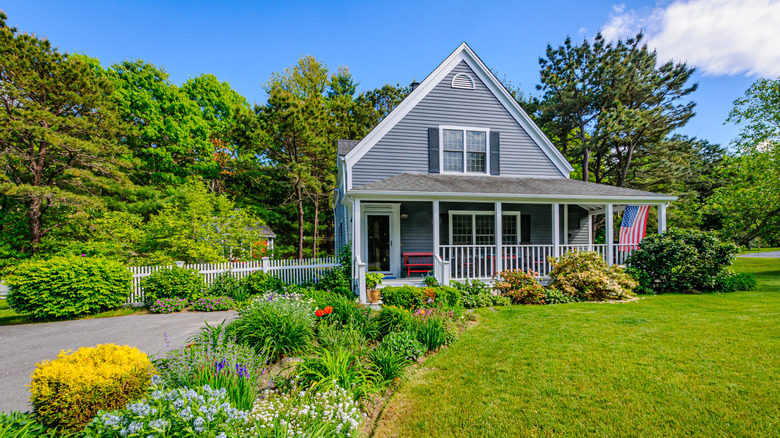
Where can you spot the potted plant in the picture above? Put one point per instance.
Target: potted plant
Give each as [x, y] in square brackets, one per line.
[373, 280]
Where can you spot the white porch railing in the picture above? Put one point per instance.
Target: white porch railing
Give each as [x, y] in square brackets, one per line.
[478, 261]
[441, 270]
[289, 271]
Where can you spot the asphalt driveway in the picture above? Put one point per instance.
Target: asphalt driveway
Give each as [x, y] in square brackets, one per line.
[768, 254]
[22, 346]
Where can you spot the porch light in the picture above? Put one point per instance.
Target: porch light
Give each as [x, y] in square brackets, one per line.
[404, 215]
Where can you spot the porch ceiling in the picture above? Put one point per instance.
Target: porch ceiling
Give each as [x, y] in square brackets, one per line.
[500, 186]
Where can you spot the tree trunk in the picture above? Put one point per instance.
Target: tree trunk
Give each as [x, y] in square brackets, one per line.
[585, 164]
[36, 222]
[299, 194]
[316, 222]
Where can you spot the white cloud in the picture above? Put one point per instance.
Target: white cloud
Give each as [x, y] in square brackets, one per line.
[721, 37]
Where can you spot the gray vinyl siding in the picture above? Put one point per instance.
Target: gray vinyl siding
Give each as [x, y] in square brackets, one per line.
[578, 225]
[417, 228]
[405, 147]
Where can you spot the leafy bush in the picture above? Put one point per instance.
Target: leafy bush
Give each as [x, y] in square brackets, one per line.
[334, 336]
[412, 297]
[258, 283]
[392, 319]
[332, 369]
[404, 343]
[388, 364]
[520, 286]
[500, 300]
[213, 304]
[680, 261]
[168, 305]
[730, 281]
[282, 326]
[585, 275]
[226, 285]
[70, 390]
[336, 280]
[173, 282]
[346, 310]
[306, 414]
[65, 287]
[554, 296]
[180, 412]
[431, 281]
[475, 293]
[24, 425]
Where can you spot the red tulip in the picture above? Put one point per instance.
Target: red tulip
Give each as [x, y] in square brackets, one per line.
[329, 310]
[319, 312]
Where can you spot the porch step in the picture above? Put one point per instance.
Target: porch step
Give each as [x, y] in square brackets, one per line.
[417, 282]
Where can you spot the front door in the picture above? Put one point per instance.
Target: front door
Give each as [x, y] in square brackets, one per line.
[378, 242]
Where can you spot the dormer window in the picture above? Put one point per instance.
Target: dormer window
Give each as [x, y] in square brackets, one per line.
[464, 148]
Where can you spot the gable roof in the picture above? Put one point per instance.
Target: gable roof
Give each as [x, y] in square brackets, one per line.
[462, 53]
[489, 186]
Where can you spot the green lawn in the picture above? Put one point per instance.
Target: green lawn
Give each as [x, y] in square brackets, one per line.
[9, 317]
[671, 365]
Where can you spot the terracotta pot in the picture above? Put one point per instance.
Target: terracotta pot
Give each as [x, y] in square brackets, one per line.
[374, 296]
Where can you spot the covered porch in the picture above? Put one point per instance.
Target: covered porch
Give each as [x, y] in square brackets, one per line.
[476, 235]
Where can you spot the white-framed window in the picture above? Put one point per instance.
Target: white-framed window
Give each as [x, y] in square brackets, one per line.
[464, 150]
[478, 227]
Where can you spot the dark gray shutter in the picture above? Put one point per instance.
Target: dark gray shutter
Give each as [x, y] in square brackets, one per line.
[525, 228]
[433, 150]
[495, 154]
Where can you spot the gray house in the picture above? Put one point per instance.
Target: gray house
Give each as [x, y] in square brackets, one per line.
[459, 181]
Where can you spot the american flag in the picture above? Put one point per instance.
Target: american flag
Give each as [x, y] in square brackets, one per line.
[632, 229]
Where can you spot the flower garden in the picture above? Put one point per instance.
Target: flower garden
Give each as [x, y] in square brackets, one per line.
[304, 360]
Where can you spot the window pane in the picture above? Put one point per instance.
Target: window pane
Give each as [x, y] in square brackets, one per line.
[453, 161]
[461, 229]
[509, 227]
[476, 141]
[486, 225]
[476, 162]
[453, 140]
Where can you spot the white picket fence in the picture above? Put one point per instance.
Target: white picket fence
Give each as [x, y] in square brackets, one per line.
[289, 271]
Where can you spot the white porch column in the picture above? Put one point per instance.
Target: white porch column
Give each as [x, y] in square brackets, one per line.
[609, 226]
[499, 238]
[565, 224]
[556, 231]
[436, 237]
[357, 258]
[590, 232]
[661, 218]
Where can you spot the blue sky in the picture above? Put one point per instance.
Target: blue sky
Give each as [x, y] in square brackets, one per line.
[394, 42]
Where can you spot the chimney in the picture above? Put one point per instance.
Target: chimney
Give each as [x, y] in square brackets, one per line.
[414, 84]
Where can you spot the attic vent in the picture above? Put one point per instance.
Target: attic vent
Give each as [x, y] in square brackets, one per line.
[463, 80]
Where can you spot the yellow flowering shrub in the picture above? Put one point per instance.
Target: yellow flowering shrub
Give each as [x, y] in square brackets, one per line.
[69, 391]
[585, 275]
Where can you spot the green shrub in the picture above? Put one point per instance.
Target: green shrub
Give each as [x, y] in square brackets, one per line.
[226, 285]
[333, 369]
[680, 261]
[334, 337]
[213, 304]
[173, 282]
[258, 283]
[554, 296]
[336, 280]
[475, 293]
[520, 286]
[730, 281]
[500, 300]
[585, 275]
[388, 364]
[392, 319]
[404, 343]
[64, 287]
[168, 305]
[411, 297]
[281, 326]
[70, 390]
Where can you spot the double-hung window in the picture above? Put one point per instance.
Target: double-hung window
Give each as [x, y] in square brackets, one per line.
[479, 227]
[464, 150]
